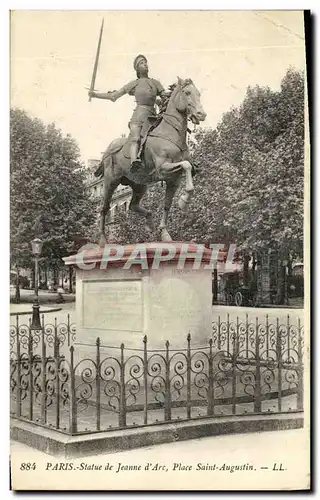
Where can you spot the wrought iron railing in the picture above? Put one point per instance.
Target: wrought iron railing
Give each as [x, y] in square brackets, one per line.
[21, 332]
[245, 368]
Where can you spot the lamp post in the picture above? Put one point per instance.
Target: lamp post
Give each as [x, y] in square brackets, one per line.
[36, 245]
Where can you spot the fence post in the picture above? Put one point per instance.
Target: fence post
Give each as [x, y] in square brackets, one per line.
[210, 410]
[247, 336]
[73, 408]
[145, 379]
[122, 401]
[30, 359]
[188, 377]
[267, 335]
[57, 368]
[288, 335]
[43, 379]
[278, 350]
[228, 334]
[55, 338]
[18, 369]
[98, 408]
[68, 329]
[257, 387]
[167, 397]
[234, 365]
[300, 368]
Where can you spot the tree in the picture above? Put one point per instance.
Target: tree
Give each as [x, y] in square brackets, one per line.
[47, 183]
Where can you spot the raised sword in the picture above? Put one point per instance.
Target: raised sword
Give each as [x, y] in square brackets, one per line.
[95, 68]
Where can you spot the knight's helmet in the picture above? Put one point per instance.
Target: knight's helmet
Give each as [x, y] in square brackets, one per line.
[138, 59]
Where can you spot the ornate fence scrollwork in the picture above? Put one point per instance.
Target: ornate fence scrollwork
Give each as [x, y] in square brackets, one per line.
[247, 367]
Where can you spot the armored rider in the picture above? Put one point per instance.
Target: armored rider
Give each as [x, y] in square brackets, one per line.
[146, 91]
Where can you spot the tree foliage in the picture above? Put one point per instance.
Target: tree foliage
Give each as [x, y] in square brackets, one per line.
[249, 190]
[47, 185]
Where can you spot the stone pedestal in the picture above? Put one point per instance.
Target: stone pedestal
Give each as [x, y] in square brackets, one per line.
[135, 295]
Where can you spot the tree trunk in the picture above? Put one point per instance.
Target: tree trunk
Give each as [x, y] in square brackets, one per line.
[282, 285]
[45, 277]
[70, 279]
[254, 263]
[17, 292]
[246, 260]
[215, 286]
[54, 277]
[289, 267]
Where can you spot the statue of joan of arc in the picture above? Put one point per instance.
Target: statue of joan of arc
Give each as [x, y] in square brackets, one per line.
[147, 92]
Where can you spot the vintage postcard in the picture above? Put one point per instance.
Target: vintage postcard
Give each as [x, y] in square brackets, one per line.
[159, 250]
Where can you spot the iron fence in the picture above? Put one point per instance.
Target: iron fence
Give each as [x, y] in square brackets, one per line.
[246, 367]
[20, 333]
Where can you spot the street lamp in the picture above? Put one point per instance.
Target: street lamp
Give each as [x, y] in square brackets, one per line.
[36, 245]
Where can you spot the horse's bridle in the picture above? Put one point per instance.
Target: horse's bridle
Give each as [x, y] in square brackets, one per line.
[186, 82]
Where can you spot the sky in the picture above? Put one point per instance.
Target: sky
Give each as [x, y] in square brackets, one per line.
[52, 57]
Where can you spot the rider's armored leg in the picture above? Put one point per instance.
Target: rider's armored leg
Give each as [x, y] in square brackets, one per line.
[134, 147]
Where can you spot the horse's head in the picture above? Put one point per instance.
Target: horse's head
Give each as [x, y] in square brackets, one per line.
[189, 101]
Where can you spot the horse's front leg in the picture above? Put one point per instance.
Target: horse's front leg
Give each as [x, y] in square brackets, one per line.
[189, 187]
[171, 189]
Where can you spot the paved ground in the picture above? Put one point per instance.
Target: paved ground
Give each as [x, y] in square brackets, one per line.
[257, 312]
[217, 311]
[67, 308]
[44, 296]
[262, 451]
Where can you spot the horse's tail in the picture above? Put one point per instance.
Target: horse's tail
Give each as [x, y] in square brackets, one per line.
[113, 148]
[100, 170]
[105, 163]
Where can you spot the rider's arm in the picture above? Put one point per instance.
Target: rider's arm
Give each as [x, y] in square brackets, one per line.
[115, 94]
[162, 94]
[110, 96]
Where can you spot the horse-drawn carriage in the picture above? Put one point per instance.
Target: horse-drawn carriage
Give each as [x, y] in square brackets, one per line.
[234, 291]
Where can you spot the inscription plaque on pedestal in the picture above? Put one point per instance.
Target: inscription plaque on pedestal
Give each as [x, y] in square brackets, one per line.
[112, 305]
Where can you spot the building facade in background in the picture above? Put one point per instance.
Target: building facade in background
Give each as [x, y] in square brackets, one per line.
[121, 197]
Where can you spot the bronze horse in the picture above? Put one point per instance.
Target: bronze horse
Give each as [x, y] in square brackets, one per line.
[165, 158]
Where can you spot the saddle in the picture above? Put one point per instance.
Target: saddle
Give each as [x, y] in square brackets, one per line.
[124, 143]
[149, 125]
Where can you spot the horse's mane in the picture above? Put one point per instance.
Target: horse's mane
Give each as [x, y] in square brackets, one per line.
[168, 94]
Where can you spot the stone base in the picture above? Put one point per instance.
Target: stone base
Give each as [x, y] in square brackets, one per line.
[57, 444]
[161, 290]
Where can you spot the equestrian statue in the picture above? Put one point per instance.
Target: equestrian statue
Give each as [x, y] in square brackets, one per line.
[156, 149]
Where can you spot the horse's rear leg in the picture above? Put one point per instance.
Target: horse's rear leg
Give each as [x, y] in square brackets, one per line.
[138, 192]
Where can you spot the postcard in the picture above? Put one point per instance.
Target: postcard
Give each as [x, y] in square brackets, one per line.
[159, 250]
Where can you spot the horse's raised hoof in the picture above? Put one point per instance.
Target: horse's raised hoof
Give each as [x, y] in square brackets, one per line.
[165, 235]
[183, 203]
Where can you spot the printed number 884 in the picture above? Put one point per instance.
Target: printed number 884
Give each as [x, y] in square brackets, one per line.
[27, 466]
